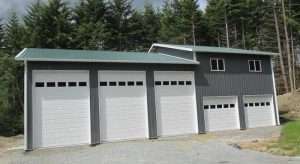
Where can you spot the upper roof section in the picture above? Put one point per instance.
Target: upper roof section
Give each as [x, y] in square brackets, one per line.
[34, 54]
[206, 49]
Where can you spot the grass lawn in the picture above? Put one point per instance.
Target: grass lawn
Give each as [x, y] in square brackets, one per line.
[288, 144]
[289, 141]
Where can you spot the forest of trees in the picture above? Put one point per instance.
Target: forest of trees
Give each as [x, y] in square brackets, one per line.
[115, 25]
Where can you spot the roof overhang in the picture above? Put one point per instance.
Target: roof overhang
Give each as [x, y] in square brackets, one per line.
[25, 56]
[207, 49]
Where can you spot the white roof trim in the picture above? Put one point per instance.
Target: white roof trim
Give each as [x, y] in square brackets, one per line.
[182, 58]
[107, 61]
[21, 53]
[170, 46]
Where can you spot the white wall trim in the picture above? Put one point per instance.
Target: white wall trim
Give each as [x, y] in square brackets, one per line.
[171, 46]
[25, 105]
[20, 53]
[196, 62]
[275, 94]
[151, 48]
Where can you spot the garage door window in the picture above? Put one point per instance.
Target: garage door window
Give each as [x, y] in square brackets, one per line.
[61, 84]
[39, 84]
[173, 83]
[139, 83]
[257, 104]
[82, 84]
[50, 84]
[188, 82]
[158, 83]
[103, 83]
[122, 83]
[112, 83]
[130, 83]
[72, 84]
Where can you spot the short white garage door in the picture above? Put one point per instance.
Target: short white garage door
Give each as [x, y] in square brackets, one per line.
[221, 113]
[123, 105]
[176, 111]
[259, 111]
[61, 108]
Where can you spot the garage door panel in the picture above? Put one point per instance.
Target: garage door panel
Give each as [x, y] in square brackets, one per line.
[61, 113]
[259, 111]
[123, 106]
[175, 103]
[221, 113]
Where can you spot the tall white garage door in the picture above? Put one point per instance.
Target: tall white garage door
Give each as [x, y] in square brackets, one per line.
[259, 111]
[221, 113]
[61, 108]
[176, 110]
[123, 105]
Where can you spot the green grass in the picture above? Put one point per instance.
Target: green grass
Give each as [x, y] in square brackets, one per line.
[289, 141]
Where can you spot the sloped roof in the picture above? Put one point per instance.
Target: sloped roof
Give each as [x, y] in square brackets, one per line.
[35, 54]
[207, 49]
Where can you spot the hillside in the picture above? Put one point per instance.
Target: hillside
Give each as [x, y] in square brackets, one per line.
[289, 106]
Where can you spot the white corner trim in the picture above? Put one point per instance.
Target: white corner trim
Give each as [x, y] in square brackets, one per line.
[275, 94]
[194, 56]
[172, 47]
[150, 48]
[20, 53]
[195, 62]
[25, 105]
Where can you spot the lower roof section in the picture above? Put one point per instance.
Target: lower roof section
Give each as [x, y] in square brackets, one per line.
[66, 55]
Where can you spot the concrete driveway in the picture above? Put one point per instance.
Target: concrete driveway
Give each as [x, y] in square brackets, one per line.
[204, 149]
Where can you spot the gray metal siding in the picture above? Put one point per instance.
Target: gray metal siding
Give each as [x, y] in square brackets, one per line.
[235, 81]
[29, 129]
[173, 52]
[94, 107]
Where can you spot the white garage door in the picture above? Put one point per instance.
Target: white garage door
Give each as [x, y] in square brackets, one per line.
[176, 110]
[221, 113]
[123, 105]
[61, 108]
[259, 111]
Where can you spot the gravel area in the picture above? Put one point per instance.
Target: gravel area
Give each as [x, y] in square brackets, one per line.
[210, 148]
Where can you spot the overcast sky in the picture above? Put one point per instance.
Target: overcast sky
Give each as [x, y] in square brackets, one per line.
[19, 6]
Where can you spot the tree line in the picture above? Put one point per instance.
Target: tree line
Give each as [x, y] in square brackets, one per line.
[117, 25]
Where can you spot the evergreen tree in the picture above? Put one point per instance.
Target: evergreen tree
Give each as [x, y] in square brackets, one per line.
[90, 32]
[135, 32]
[14, 34]
[1, 35]
[151, 26]
[169, 31]
[118, 16]
[34, 26]
[56, 22]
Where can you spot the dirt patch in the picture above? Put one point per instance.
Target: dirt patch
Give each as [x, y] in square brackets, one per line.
[7, 143]
[270, 146]
[289, 105]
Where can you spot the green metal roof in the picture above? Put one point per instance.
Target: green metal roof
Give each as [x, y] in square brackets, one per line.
[207, 49]
[34, 54]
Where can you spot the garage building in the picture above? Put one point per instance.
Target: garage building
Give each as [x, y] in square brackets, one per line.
[75, 97]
